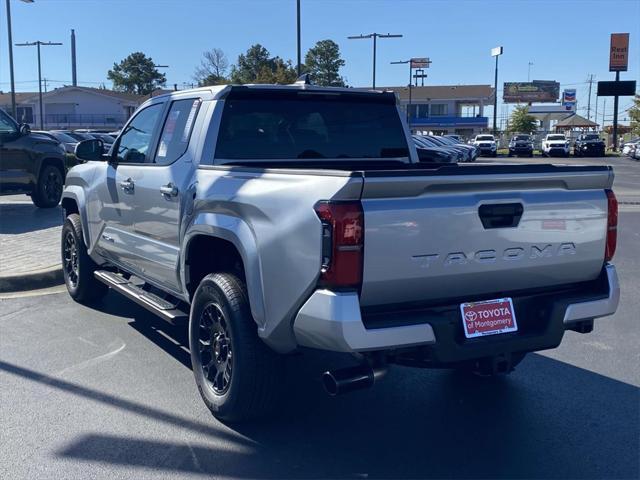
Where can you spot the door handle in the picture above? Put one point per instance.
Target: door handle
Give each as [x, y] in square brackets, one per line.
[170, 190]
[127, 185]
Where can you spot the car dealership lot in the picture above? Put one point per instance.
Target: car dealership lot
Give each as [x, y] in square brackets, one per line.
[108, 393]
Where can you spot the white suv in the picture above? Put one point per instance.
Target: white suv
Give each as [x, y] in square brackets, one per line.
[555, 144]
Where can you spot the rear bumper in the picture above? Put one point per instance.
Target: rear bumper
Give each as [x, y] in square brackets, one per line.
[334, 321]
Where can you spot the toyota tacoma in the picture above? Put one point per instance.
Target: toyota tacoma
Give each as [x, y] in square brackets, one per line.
[275, 219]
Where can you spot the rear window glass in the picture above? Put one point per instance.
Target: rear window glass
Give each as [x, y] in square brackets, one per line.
[294, 126]
[484, 137]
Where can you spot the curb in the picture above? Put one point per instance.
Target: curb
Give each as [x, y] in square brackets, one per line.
[46, 277]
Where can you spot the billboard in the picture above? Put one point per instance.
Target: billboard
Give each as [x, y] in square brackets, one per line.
[619, 52]
[569, 98]
[536, 91]
[420, 62]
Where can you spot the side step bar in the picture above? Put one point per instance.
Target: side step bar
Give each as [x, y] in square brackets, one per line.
[161, 307]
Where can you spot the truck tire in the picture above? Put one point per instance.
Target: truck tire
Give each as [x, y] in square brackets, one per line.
[237, 375]
[48, 190]
[77, 265]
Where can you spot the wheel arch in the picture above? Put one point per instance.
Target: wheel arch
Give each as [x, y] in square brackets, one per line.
[232, 238]
[73, 201]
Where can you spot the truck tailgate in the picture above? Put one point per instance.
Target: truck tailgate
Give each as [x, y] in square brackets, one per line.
[469, 232]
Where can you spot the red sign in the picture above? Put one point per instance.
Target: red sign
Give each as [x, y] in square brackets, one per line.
[488, 318]
[619, 52]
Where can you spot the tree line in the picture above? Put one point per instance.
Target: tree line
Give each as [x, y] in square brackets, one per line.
[139, 74]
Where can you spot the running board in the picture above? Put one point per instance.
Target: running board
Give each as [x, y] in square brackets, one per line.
[161, 307]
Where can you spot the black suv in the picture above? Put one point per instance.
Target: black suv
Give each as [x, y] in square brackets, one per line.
[30, 163]
[521, 145]
[588, 145]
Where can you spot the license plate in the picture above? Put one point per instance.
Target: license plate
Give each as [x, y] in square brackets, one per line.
[490, 317]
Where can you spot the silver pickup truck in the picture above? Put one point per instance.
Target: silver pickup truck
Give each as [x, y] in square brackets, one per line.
[273, 219]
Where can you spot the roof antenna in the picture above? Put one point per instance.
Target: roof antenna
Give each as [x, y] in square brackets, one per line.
[304, 79]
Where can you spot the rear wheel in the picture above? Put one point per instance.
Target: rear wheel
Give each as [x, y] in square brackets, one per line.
[48, 190]
[77, 265]
[237, 375]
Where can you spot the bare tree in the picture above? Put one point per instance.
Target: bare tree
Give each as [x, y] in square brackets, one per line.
[213, 67]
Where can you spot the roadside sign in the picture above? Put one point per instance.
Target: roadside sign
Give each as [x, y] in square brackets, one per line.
[420, 62]
[619, 52]
[496, 51]
[620, 88]
[569, 98]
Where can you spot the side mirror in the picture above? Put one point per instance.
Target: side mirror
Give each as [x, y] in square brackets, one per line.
[90, 150]
[24, 129]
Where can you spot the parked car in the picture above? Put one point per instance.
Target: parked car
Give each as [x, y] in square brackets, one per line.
[30, 163]
[471, 152]
[69, 143]
[629, 147]
[555, 144]
[274, 219]
[636, 152]
[487, 145]
[521, 144]
[462, 154]
[589, 145]
[431, 154]
[78, 136]
[454, 137]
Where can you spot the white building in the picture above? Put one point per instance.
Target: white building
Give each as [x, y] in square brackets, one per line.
[74, 107]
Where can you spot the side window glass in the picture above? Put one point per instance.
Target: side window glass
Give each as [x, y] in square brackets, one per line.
[134, 145]
[177, 130]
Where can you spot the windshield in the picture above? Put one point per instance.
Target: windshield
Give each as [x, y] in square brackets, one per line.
[522, 138]
[556, 137]
[270, 125]
[7, 125]
[591, 137]
[485, 138]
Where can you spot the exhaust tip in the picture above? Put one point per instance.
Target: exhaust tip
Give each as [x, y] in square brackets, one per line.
[330, 384]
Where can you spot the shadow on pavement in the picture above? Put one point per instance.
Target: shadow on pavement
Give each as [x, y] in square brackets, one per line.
[16, 218]
[548, 420]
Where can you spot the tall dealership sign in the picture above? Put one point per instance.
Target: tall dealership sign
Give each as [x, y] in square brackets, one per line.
[619, 52]
[541, 91]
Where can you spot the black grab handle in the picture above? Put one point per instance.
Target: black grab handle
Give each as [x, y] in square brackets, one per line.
[500, 215]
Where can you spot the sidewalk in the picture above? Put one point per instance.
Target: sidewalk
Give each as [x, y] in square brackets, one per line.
[29, 244]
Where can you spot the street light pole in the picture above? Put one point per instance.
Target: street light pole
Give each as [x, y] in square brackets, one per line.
[402, 62]
[158, 66]
[495, 52]
[375, 37]
[298, 43]
[37, 44]
[13, 83]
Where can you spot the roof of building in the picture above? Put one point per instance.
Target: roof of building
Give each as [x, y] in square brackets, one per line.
[445, 92]
[25, 97]
[575, 121]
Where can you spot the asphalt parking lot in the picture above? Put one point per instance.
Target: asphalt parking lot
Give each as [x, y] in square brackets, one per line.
[108, 393]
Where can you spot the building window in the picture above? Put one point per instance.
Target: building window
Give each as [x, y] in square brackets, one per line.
[419, 110]
[24, 114]
[439, 109]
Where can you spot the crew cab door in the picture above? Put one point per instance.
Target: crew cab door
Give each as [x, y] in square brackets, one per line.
[161, 192]
[114, 198]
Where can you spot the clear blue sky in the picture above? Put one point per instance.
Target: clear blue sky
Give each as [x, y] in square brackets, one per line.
[566, 40]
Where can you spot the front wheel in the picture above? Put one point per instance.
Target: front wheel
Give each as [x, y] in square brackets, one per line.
[77, 265]
[48, 190]
[238, 376]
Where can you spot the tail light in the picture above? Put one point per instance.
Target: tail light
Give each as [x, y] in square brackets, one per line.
[612, 225]
[342, 243]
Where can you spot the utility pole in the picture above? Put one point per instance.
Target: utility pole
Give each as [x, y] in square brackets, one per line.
[375, 37]
[298, 45]
[589, 99]
[44, 80]
[495, 52]
[529, 72]
[74, 73]
[37, 44]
